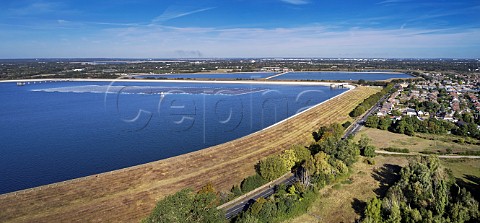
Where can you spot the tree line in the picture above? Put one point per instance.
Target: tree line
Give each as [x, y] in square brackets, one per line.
[409, 125]
[371, 101]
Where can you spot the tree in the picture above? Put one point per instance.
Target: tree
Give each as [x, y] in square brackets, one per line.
[247, 218]
[339, 167]
[289, 158]
[236, 190]
[272, 168]
[400, 126]
[373, 211]
[369, 151]
[384, 123]
[364, 141]
[346, 124]
[464, 207]
[346, 151]
[372, 121]
[409, 130]
[334, 131]
[359, 110]
[252, 182]
[186, 206]
[268, 211]
[321, 164]
[396, 113]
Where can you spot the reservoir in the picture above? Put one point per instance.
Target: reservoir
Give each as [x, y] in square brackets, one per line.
[243, 76]
[55, 131]
[341, 75]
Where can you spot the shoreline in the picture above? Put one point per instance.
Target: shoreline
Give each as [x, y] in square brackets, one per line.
[349, 88]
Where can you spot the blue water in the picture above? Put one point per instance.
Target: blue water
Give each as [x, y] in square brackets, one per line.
[52, 132]
[258, 75]
[368, 76]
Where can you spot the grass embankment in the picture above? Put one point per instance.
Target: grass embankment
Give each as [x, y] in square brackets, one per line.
[346, 200]
[429, 143]
[130, 194]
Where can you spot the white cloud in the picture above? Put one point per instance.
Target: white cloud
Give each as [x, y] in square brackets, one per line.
[40, 7]
[392, 2]
[296, 2]
[172, 13]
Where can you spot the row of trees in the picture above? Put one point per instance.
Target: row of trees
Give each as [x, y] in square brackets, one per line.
[425, 193]
[410, 125]
[272, 168]
[371, 101]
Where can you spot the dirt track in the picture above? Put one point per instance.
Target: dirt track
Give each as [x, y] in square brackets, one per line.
[129, 194]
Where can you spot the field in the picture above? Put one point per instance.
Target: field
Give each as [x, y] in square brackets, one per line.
[467, 172]
[129, 194]
[346, 200]
[439, 144]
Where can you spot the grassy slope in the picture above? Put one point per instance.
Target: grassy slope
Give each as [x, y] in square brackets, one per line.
[129, 194]
[383, 139]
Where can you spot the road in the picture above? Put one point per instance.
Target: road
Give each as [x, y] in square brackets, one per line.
[243, 203]
[355, 126]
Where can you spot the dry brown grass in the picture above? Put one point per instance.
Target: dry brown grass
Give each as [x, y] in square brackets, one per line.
[128, 195]
[345, 203]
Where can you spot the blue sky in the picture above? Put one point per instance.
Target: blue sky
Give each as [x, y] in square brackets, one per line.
[240, 28]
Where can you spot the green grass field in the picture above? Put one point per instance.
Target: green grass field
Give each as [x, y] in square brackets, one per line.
[467, 173]
[420, 143]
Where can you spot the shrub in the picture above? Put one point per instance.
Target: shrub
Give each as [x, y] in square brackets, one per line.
[369, 151]
[272, 168]
[397, 150]
[346, 124]
[236, 191]
[470, 153]
[252, 182]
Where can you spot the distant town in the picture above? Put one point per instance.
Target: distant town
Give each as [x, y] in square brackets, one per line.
[115, 68]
